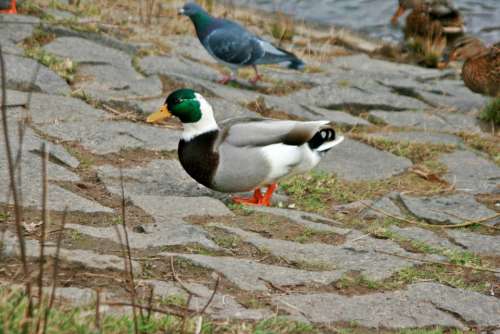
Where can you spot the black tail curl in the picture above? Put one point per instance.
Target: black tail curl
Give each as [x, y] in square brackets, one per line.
[321, 137]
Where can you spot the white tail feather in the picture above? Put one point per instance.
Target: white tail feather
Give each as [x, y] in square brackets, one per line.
[328, 145]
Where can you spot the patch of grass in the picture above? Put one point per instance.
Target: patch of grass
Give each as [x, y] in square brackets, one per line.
[462, 257]
[454, 277]
[240, 209]
[487, 144]
[416, 152]
[281, 325]
[348, 281]
[282, 28]
[65, 68]
[317, 191]
[491, 112]
[4, 216]
[176, 300]
[86, 161]
[344, 83]
[75, 235]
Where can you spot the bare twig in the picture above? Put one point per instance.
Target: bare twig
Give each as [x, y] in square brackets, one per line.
[98, 310]
[41, 258]
[274, 286]
[55, 271]
[466, 221]
[129, 256]
[164, 310]
[150, 301]
[211, 297]
[178, 280]
[17, 207]
[448, 264]
[409, 221]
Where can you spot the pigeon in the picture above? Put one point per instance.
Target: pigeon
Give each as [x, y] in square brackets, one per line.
[234, 46]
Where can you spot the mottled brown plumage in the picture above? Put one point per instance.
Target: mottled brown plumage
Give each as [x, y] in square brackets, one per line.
[429, 17]
[481, 69]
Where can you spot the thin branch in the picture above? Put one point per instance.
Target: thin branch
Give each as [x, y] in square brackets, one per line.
[164, 310]
[211, 297]
[55, 271]
[129, 256]
[41, 258]
[150, 301]
[409, 221]
[178, 280]
[274, 286]
[10, 163]
[98, 310]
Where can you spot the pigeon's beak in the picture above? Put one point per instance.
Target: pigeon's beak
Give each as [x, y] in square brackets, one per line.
[163, 113]
[180, 11]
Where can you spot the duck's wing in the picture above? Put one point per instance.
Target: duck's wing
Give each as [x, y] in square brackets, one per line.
[252, 132]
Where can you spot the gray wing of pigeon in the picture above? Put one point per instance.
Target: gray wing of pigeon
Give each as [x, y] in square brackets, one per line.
[234, 45]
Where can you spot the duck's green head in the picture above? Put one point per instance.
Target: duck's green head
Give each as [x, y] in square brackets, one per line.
[184, 103]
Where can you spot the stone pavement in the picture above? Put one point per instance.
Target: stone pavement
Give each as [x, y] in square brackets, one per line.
[343, 264]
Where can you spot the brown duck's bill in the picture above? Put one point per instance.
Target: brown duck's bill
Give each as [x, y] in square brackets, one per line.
[163, 113]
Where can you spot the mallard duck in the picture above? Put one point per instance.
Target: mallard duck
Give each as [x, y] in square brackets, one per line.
[481, 68]
[442, 11]
[8, 7]
[243, 154]
[234, 46]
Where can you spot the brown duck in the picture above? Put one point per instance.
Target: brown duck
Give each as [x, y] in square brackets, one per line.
[427, 14]
[481, 69]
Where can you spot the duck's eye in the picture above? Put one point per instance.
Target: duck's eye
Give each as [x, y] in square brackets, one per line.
[177, 100]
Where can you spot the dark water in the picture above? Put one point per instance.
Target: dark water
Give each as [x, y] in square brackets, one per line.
[372, 17]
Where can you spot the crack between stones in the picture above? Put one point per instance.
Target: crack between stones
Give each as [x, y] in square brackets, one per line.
[358, 108]
[455, 315]
[407, 92]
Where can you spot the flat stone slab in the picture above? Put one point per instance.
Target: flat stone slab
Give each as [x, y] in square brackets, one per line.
[103, 137]
[15, 28]
[222, 307]
[81, 257]
[253, 276]
[470, 172]
[384, 205]
[50, 109]
[168, 228]
[158, 178]
[420, 305]
[422, 235]
[477, 243]
[355, 161]
[359, 253]
[84, 51]
[31, 168]
[453, 209]
[171, 66]
[428, 121]
[306, 219]
[26, 74]
[421, 137]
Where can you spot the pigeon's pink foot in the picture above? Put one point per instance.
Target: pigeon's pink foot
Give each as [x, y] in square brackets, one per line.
[225, 80]
[255, 79]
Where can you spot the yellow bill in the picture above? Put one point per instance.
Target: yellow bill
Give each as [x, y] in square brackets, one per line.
[163, 113]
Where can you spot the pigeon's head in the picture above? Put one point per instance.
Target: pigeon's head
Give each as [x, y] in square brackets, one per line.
[185, 104]
[191, 9]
